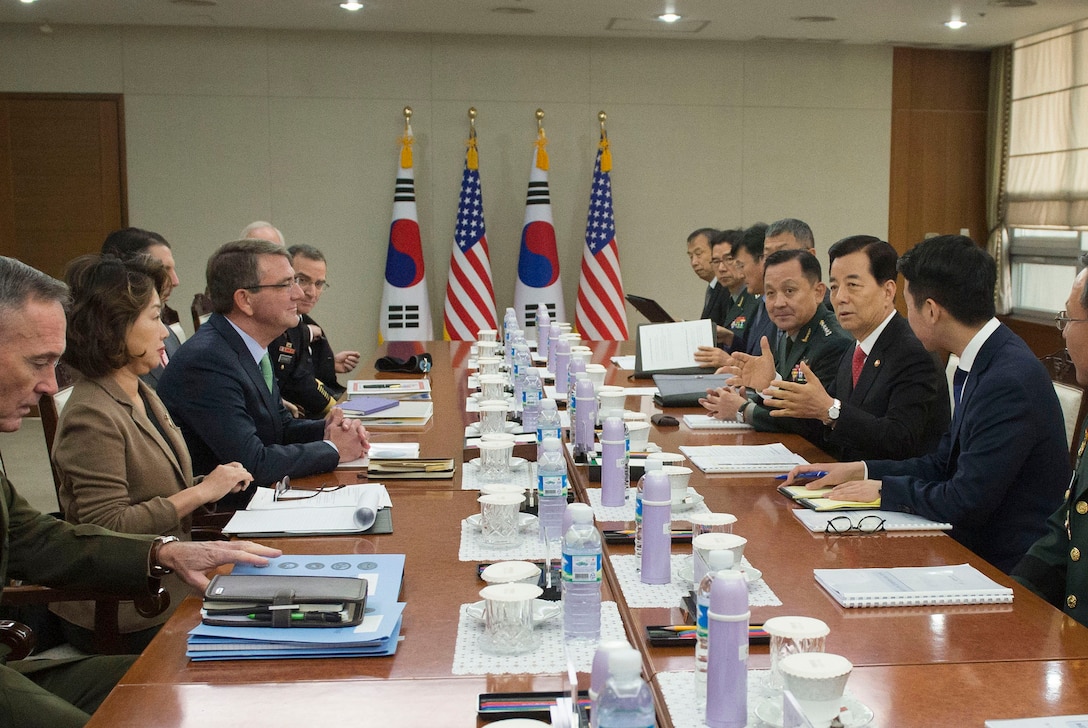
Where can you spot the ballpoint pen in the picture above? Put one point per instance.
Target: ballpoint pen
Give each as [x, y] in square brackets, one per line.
[813, 474]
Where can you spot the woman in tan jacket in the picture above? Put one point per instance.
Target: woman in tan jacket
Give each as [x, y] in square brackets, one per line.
[123, 463]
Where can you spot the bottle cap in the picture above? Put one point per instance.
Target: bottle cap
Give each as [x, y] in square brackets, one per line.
[601, 663]
[728, 597]
[612, 429]
[562, 346]
[652, 465]
[547, 405]
[656, 488]
[551, 444]
[584, 388]
[625, 663]
[580, 513]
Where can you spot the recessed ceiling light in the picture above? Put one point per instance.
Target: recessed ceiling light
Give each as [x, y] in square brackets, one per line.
[26, 2]
[955, 24]
[668, 17]
[352, 6]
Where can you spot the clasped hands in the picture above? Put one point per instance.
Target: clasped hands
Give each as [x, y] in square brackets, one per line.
[348, 435]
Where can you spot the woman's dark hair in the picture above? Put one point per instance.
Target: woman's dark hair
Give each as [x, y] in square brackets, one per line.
[108, 295]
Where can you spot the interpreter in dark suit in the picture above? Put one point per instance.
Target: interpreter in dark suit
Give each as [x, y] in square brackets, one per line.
[62, 693]
[219, 387]
[1002, 467]
[302, 358]
[699, 259]
[122, 463]
[888, 398]
[128, 243]
[811, 340]
[1056, 566]
[743, 261]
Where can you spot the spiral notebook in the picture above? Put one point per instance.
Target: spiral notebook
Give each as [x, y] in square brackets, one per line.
[892, 520]
[773, 458]
[706, 422]
[913, 586]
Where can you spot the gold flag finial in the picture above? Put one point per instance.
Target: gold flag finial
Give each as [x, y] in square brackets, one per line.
[472, 157]
[406, 140]
[606, 152]
[541, 142]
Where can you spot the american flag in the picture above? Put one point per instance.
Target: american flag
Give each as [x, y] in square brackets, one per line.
[470, 296]
[600, 314]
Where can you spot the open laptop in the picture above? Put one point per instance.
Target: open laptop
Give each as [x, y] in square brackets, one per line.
[650, 308]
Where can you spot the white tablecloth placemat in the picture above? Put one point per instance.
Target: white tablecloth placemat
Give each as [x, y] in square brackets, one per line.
[641, 596]
[687, 712]
[626, 512]
[547, 659]
[523, 475]
[529, 548]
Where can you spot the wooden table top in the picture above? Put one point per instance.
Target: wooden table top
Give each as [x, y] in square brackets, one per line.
[961, 664]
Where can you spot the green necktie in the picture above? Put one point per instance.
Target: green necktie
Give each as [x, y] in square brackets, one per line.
[266, 371]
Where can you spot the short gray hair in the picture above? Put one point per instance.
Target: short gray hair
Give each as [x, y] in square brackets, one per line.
[261, 224]
[799, 229]
[19, 284]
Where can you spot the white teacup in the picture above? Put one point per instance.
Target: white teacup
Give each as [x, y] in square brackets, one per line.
[499, 518]
[487, 335]
[679, 476]
[702, 545]
[508, 619]
[493, 416]
[817, 680]
[790, 636]
[611, 398]
[489, 365]
[506, 572]
[638, 433]
[486, 348]
[596, 374]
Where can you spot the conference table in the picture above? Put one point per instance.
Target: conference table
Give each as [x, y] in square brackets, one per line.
[957, 665]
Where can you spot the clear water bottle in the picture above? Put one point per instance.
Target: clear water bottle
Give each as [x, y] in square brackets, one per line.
[602, 670]
[582, 576]
[627, 701]
[532, 393]
[548, 425]
[522, 363]
[509, 325]
[651, 465]
[551, 490]
[716, 561]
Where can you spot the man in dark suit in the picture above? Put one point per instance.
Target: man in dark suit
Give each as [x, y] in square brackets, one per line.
[889, 398]
[220, 389]
[811, 340]
[748, 264]
[1002, 467]
[1056, 566]
[302, 358]
[699, 259]
[39, 548]
[735, 306]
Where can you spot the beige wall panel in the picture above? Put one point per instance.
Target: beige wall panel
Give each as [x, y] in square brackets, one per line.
[794, 75]
[828, 167]
[183, 61]
[689, 73]
[71, 59]
[349, 65]
[493, 68]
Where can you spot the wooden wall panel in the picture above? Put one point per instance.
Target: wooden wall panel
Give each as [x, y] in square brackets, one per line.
[63, 181]
[938, 146]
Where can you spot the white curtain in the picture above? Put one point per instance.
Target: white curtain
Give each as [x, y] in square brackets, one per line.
[1048, 135]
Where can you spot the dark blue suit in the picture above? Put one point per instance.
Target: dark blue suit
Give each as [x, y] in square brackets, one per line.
[760, 325]
[216, 394]
[1001, 468]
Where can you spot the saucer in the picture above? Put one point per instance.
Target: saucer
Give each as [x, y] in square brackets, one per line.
[511, 427]
[525, 521]
[685, 572]
[542, 612]
[515, 463]
[853, 714]
[690, 501]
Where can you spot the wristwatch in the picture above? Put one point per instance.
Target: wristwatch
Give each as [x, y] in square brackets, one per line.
[833, 411]
[740, 413]
[155, 570]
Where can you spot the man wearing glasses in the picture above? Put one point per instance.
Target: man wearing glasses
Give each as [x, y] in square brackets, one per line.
[302, 358]
[1003, 465]
[219, 386]
[1056, 566]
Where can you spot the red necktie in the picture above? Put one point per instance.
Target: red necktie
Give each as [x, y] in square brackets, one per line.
[857, 364]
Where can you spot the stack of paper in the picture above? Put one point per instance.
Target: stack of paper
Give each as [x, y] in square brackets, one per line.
[351, 509]
[406, 413]
[912, 586]
[774, 458]
[376, 636]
